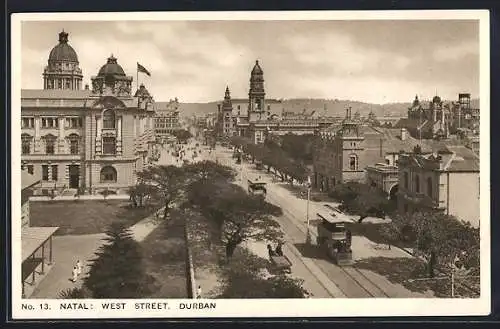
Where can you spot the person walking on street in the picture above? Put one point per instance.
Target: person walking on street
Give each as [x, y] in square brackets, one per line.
[198, 292]
[79, 267]
[279, 249]
[75, 274]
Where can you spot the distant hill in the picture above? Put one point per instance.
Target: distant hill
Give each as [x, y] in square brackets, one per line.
[334, 107]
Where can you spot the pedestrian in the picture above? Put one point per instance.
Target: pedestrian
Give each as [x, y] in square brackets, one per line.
[198, 292]
[279, 249]
[270, 251]
[79, 267]
[75, 274]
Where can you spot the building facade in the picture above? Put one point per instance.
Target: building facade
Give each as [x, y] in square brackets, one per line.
[343, 151]
[438, 119]
[258, 117]
[447, 179]
[85, 139]
[166, 119]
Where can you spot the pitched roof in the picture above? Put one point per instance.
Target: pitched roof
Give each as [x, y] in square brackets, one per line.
[393, 142]
[462, 159]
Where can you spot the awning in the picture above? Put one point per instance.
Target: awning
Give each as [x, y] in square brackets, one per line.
[33, 237]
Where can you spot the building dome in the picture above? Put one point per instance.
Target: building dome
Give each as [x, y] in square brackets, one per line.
[257, 69]
[63, 52]
[111, 68]
[436, 99]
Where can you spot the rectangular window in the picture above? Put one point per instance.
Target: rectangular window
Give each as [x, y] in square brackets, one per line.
[26, 145]
[50, 146]
[28, 122]
[73, 146]
[45, 172]
[50, 123]
[108, 145]
[30, 169]
[54, 172]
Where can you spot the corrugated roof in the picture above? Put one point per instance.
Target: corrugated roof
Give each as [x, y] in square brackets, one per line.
[28, 179]
[54, 94]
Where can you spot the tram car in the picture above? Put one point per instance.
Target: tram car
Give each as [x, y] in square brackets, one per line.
[257, 188]
[335, 239]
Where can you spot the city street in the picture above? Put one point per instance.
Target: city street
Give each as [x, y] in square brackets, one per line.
[322, 277]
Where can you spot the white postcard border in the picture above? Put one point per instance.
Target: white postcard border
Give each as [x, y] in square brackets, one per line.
[50, 309]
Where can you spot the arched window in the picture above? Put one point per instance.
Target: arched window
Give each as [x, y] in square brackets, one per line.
[26, 143]
[50, 144]
[108, 119]
[429, 187]
[416, 179]
[109, 145]
[108, 175]
[405, 179]
[353, 162]
[74, 141]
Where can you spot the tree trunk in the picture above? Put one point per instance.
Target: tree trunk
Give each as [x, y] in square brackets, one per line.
[230, 248]
[432, 263]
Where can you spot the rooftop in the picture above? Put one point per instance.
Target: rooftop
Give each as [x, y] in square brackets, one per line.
[28, 180]
[54, 94]
[393, 142]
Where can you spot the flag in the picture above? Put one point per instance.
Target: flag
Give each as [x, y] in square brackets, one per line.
[142, 69]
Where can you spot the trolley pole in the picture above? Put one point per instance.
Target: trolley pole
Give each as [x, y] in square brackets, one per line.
[308, 232]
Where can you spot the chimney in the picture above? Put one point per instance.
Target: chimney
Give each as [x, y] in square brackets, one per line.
[404, 134]
[87, 86]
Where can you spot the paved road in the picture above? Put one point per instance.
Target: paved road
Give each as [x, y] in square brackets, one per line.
[323, 277]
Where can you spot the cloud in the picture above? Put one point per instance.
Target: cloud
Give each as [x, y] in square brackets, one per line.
[195, 60]
[456, 52]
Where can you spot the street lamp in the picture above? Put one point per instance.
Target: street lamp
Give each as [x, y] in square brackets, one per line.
[308, 236]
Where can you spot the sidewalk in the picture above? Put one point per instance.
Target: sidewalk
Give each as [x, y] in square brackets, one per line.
[70, 248]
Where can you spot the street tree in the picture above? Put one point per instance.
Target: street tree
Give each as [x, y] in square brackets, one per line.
[441, 238]
[118, 270]
[165, 185]
[298, 147]
[243, 278]
[206, 170]
[182, 135]
[239, 216]
[139, 194]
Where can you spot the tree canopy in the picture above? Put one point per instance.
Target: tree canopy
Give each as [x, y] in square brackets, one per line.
[117, 271]
[162, 183]
[244, 279]
[182, 135]
[362, 199]
[439, 238]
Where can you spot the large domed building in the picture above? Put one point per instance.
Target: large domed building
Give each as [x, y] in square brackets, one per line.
[85, 139]
[62, 70]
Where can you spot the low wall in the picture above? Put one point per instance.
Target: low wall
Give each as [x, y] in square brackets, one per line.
[190, 279]
[81, 197]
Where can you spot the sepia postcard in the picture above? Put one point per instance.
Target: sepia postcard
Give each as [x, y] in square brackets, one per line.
[250, 164]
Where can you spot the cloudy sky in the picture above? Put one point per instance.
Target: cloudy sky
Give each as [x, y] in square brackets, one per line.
[372, 61]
